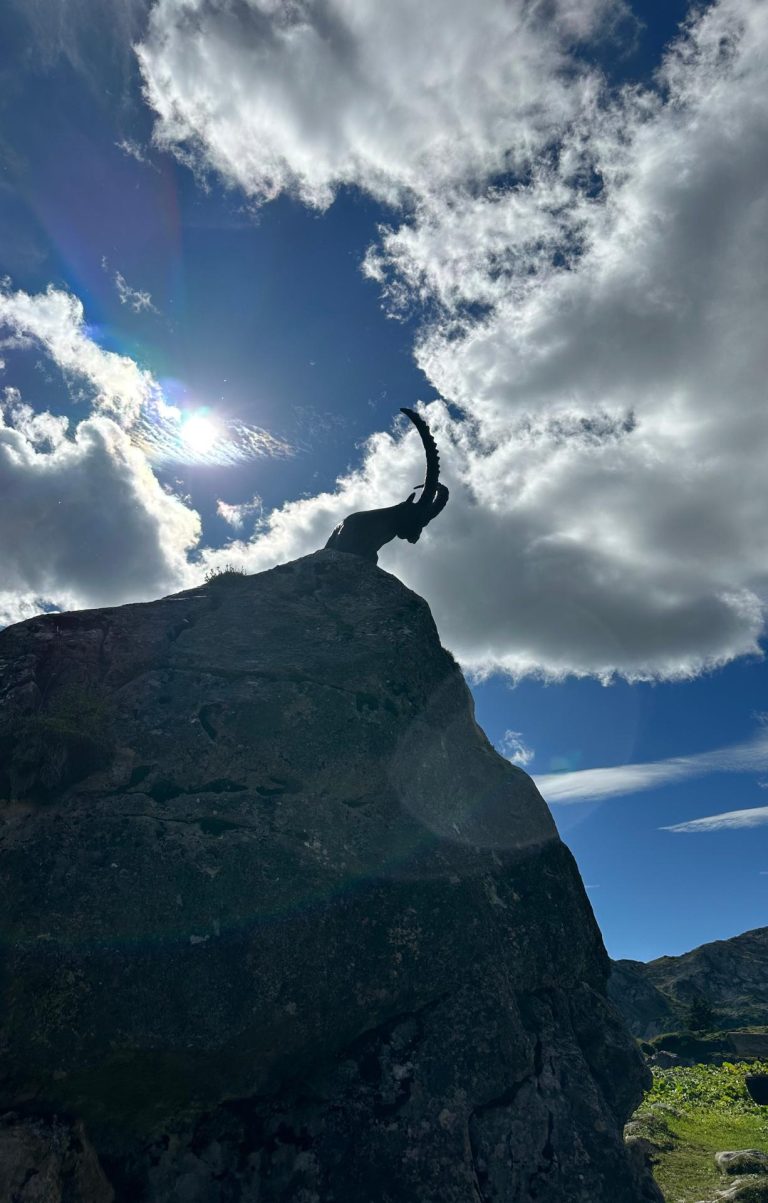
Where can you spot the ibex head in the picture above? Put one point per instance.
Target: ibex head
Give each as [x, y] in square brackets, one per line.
[414, 515]
[365, 533]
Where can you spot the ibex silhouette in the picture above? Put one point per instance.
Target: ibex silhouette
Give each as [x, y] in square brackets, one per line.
[362, 534]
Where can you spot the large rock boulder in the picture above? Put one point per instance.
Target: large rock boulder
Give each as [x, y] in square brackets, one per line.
[280, 924]
[742, 1161]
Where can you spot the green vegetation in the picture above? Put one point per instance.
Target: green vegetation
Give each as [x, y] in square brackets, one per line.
[693, 1112]
[700, 1016]
[224, 575]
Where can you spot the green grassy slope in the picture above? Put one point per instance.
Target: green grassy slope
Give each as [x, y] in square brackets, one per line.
[693, 1112]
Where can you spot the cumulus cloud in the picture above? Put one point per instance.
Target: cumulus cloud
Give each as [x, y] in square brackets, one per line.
[15, 606]
[55, 320]
[755, 816]
[84, 521]
[597, 273]
[506, 591]
[395, 98]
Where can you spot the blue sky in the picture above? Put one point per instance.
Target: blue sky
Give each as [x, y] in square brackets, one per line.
[236, 238]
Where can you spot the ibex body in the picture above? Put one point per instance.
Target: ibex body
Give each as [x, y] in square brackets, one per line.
[364, 533]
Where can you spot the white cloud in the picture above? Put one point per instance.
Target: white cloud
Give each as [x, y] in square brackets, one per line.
[598, 323]
[586, 785]
[137, 299]
[134, 150]
[398, 98]
[15, 607]
[56, 321]
[238, 515]
[513, 746]
[83, 520]
[755, 816]
[595, 784]
[505, 591]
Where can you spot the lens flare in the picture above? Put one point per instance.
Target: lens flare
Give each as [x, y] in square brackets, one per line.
[198, 433]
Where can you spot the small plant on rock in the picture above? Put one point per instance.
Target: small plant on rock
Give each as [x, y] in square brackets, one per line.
[224, 575]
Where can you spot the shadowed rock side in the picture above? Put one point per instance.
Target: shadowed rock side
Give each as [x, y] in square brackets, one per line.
[49, 1161]
[280, 925]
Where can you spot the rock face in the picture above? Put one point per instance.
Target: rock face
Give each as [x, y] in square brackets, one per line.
[279, 923]
[49, 1161]
[742, 1161]
[732, 975]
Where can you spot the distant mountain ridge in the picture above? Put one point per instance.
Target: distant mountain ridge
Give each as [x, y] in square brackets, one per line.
[731, 975]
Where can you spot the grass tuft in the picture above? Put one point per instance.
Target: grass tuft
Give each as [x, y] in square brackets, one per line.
[224, 575]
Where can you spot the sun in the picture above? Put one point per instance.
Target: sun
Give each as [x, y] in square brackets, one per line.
[198, 433]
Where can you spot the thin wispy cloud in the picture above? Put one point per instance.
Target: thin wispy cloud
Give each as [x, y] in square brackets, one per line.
[618, 781]
[136, 151]
[138, 300]
[513, 746]
[755, 816]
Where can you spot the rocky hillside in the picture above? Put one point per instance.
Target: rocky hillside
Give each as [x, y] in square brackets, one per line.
[279, 924]
[731, 975]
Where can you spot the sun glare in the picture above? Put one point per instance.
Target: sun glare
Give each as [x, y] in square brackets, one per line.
[198, 433]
